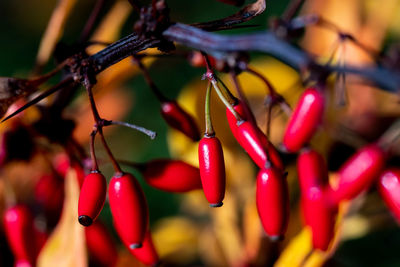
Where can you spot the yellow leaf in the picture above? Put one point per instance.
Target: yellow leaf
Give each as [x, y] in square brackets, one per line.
[66, 246]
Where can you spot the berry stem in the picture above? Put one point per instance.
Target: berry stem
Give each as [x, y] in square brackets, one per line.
[95, 166]
[211, 77]
[209, 127]
[241, 95]
[114, 162]
[91, 21]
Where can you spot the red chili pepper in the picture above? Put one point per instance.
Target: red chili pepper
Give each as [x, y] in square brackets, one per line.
[258, 146]
[129, 209]
[171, 175]
[272, 200]
[389, 189]
[358, 172]
[304, 120]
[92, 198]
[318, 215]
[180, 120]
[212, 170]
[101, 245]
[147, 254]
[18, 224]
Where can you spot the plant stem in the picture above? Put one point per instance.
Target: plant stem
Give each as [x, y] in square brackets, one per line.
[160, 96]
[209, 128]
[95, 166]
[91, 21]
[147, 132]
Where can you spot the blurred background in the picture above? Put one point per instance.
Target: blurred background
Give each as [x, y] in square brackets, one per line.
[186, 232]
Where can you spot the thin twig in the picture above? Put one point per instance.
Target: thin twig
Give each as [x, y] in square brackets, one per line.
[147, 132]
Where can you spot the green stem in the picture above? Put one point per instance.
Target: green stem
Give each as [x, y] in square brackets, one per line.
[209, 127]
[223, 99]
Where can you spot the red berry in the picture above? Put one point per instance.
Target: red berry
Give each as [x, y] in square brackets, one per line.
[196, 59]
[389, 189]
[319, 216]
[49, 193]
[358, 172]
[180, 120]
[147, 254]
[312, 169]
[18, 224]
[261, 144]
[92, 198]
[304, 120]
[171, 175]
[212, 170]
[101, 245]
[129, 209]
[272, 200]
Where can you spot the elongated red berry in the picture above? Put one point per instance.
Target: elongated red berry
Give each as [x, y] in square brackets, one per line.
[272, 200]
[317, 213]
[92, 198]
[101, 246]
[212, 170]
[49, 194]
[266, 145]
[180, 120]
[171, 175]
[147, 254]
[319, 216]
[304, 120]
[18, 226]
[358, 172]
[129, 209]
[312, 169]
[389, 189]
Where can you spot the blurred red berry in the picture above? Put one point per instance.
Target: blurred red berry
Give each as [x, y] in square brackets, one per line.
[180, 120]
[304, 120]
[272, 200]
[171, 175]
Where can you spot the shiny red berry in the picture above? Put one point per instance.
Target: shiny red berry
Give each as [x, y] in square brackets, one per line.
[147, 254]
[266, 145]
[180, 120]
[304, 120]
[358, 173]
[129, 209]
[312, 169]
[18, 227]
[317, 213]
[389, 189]
[319, 216]
[101, 246]
[91, 198]
[212, 170]
[272, 200]
[171, 175]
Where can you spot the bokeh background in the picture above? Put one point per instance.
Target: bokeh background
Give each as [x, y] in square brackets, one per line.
[185, 231]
